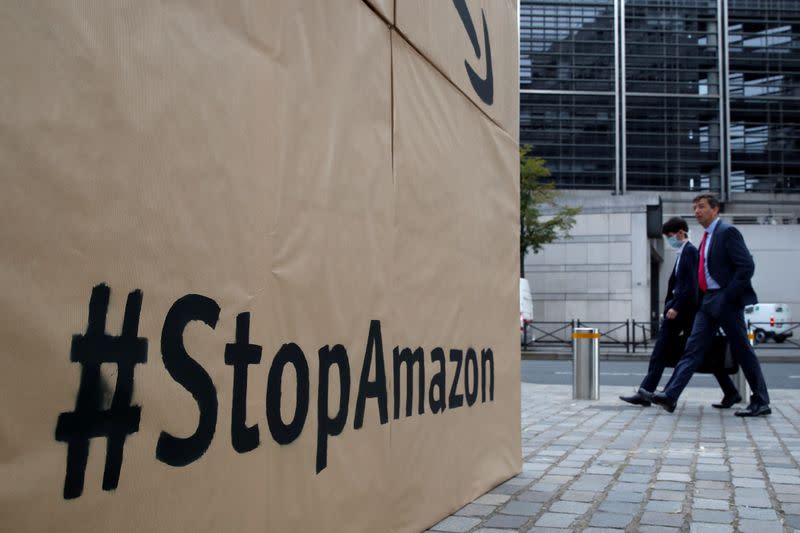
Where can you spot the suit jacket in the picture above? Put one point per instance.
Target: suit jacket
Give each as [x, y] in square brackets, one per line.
[682, 286]
[731, 265]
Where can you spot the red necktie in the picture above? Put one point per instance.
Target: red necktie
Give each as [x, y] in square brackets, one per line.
[701, 267]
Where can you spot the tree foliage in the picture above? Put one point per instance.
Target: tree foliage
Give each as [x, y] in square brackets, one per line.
[537, 229]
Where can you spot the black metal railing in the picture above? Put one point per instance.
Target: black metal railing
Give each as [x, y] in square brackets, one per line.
[636, 335]
[547, 333]
[641, 334]
[611, 333]
[775, 335]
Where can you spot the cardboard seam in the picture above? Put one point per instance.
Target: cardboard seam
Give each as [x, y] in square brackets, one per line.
[451, 82]
[394, 177]
[393, 26]
[392, 105]
[380, 15]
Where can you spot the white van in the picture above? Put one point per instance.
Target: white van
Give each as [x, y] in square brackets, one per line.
[769, 321]
[525, 308]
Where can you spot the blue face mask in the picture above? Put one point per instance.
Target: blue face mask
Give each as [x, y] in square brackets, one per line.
[674, 242]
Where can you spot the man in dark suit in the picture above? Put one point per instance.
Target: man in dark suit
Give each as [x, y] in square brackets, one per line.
[680, 307]
[725, 268]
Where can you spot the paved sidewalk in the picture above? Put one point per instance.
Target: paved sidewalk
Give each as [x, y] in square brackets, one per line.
[607, 466]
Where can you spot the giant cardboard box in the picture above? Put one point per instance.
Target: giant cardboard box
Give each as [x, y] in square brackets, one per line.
[259, 267]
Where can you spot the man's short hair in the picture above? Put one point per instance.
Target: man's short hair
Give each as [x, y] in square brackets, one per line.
[712, 200]
[674, 225]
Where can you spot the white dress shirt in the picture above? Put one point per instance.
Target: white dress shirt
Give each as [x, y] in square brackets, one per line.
[711, 282]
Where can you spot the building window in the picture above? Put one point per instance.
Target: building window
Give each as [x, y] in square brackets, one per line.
[764, 83]
[670, 111]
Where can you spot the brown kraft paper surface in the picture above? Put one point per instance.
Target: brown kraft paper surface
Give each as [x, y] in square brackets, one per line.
[209, 215]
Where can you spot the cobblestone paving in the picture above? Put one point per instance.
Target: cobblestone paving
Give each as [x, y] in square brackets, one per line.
[603, 465]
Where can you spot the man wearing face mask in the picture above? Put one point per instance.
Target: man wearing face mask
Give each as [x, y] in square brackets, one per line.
[680, 308]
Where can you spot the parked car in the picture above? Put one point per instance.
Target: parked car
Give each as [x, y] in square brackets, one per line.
[525, 310]
[769, 321]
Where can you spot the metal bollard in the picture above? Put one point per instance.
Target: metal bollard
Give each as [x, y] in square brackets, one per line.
[739, 380]
[585, 364]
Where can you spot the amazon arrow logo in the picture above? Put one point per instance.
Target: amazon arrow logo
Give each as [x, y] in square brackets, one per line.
[484, 87]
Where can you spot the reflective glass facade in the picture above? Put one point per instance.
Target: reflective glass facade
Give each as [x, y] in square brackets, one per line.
[570, 61]
[672, 143]
[575, 134]
[685, 95]
[570, 46]
[764, 74]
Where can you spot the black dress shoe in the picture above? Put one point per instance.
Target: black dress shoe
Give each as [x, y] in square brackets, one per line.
[754, 410]
[642, 397]
[664, 401]
[728, 401]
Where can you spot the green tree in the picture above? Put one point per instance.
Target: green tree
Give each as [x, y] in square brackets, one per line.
[536, 229]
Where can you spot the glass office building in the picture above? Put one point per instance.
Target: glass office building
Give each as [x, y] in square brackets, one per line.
[663, 95]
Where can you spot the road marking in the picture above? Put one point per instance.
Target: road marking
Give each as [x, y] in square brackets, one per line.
[627, 374]
[636, 374]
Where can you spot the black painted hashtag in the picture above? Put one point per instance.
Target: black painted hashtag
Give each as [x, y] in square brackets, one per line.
[88, 421]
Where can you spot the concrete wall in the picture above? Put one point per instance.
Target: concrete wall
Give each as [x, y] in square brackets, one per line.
[776, 250]
[602, 273]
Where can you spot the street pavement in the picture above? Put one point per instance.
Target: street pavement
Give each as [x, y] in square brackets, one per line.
[606, 466]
